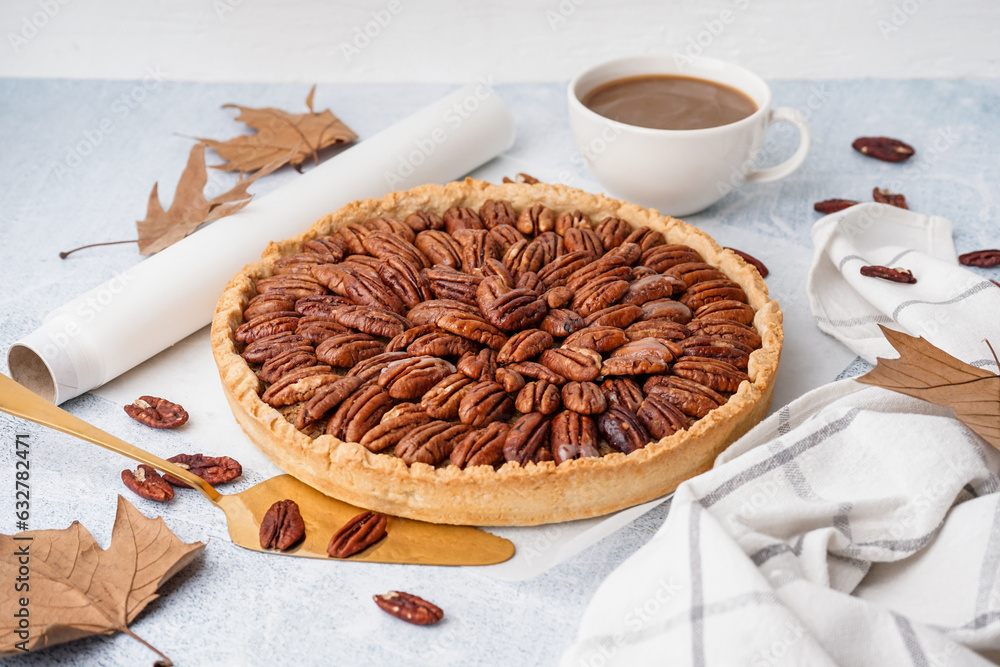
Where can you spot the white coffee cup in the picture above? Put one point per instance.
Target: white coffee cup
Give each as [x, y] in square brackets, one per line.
[679, 172]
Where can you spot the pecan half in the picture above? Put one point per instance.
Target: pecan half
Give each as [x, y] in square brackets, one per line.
[536, 219]
[266, 324]
[347, 349]
[577, 364]
[429, 312]
[622, 429]
[583, 397]
[557, 272]
[412, 378]
[484, 403]
[883, 148]
[528, 434]
[574, 436]
[424, 220]
[731, 351]
[525, 345]
[750, 259]
[147, 483]
[620, 316]
[372, 321]
[327, 398]
[692, 398]
[660, 328]
[561, 322]
[896, 275]
[666, 309]
[515, 310]
[478, 246]
[447, 283]
[599, 294]
[156, 412]
[282, 526]
[482, 447]
[982, 258]
[663, 257]
[395, 424]
[390, 226]
[441, 344]
[640, 357]
[293, 287]
[599, 339]
[572, 219]
[277, 367]
[212, 469]
[440, 247]
[712, 373]
[536, 371]
[474, 328]
[726, 311]
[479, 366]
[261, 350]
[262, 304]
[506, 236]
[359, 413]
[494, 213]
[404, 278]
[358, 534]
[660, 417]
[699, 294]
[833, 205]
[623, 391]
[384, 245]
[695, 272]
[371, 368]
[538, 396]
[431, 443]
[612, 232]
[728, 330]
[409, 608]
[370, 291]
[460, 217]
[583, 239]
[645, 238]
[891, 198]
[317, 328]
[510, 380]
[653, 287]
[299, 385]
[558, 297]
[442, 400]
[522, 178]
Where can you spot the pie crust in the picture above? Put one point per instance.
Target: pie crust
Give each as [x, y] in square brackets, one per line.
[511, 495]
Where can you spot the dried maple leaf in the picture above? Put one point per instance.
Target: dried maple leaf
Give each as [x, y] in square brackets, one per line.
[924, 371]
[189, 209]
[76, 589]
[280, 133]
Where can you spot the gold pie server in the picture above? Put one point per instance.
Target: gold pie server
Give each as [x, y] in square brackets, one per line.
[406, 541]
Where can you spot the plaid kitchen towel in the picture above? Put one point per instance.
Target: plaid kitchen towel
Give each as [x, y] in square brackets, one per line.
[855, 526]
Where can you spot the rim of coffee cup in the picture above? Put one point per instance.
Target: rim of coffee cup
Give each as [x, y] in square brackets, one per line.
[697, 68]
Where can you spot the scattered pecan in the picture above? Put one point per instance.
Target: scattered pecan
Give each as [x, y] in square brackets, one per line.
[896, 275]
[409, 608]
[282, 526]
[390, 226]
[622, 429]
[358, 534]
[481, 447]
[539, 396]
[890, 198]
[148, 483]
[583, 397]
[486, 402]
[833, 205]
[883, 148]
[522, 178]
[156, 412]
[981, 258]
[574, 436]
[528, 434]
[212, 469]
[293, 287]
[317, 328]
[750, 259]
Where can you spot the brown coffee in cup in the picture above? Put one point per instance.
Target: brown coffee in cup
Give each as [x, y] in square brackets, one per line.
[669, 102]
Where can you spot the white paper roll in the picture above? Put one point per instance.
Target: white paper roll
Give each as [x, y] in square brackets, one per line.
[160, 300]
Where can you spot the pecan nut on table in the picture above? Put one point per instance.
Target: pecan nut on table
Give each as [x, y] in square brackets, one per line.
[481, 337]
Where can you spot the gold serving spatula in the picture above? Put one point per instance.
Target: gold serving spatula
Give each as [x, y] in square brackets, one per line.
[406, 541]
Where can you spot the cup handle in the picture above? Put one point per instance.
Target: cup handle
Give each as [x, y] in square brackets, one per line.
[795, 117]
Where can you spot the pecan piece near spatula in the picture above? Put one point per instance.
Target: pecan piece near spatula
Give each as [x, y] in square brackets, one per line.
[358, 534]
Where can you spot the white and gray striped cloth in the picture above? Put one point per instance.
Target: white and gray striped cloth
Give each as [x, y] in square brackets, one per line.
[855, 526]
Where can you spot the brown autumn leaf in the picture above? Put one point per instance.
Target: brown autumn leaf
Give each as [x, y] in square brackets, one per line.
[278, 134]
[76, 589]
[189, 209]
[926, 372]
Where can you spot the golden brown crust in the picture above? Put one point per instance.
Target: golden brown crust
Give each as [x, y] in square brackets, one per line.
[538, 493]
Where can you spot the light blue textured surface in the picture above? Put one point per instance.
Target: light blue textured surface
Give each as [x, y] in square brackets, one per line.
[238, 607]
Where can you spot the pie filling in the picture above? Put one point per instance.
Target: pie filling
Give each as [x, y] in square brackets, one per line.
[496, 337]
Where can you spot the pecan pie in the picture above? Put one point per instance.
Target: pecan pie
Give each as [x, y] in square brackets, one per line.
[486, 354]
